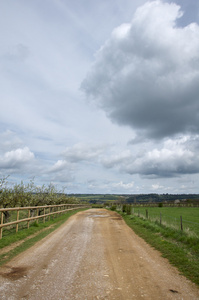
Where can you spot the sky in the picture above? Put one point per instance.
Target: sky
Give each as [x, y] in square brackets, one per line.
[100, 96]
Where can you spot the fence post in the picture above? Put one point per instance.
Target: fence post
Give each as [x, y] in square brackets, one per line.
[17, 225]
[49, 212]
[28, 217]
[37, 215]
[44, 215]
[181, 226]
[147, 214]
[1, 229]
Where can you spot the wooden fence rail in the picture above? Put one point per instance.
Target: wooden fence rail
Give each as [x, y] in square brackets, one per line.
[61, 208]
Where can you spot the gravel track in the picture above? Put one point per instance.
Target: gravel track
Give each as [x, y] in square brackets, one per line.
[93, 255]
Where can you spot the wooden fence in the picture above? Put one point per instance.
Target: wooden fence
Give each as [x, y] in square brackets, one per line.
[37, 212]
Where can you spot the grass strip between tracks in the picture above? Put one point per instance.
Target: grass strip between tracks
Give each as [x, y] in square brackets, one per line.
[181, 250]
[29, 237]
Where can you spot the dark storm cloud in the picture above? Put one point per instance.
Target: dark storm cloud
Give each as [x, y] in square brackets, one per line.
[146, 75]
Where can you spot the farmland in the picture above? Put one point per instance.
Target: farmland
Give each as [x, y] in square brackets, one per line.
[170, 216]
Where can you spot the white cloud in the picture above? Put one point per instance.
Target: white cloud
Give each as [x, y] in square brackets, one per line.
[157, 186]
[113, 187]
[123, 185]
[174, 158]
[61, 172]
[16, 159]
[59, 166]
[146, 75]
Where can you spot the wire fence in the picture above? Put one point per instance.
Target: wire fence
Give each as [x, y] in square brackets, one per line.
[185, 219]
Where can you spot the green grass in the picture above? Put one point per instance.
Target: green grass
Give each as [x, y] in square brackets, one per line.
[171, 217]
[23, 234]
[181, 249]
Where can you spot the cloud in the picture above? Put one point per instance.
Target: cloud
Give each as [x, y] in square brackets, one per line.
[146, 75]
[190, 9]
[82, 152]
[121, 184]
[73, 159]
[60, 165]
[16, 159]
[59, 173]
[174, 158]
[116, 159]
[157, 186]
[112, 187]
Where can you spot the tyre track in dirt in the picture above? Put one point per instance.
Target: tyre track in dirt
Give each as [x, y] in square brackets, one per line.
[93, 255]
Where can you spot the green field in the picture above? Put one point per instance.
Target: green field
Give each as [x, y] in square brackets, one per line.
[171, 216]
[95, 198]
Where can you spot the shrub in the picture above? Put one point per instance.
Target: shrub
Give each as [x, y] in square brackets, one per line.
[124, 208]
[113, 207]
[128, 209]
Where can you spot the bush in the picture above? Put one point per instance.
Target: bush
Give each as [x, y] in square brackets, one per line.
[124, 208]
[113, 207]
[128, 209]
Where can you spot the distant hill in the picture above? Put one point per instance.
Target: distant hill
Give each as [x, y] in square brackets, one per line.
[136, 198]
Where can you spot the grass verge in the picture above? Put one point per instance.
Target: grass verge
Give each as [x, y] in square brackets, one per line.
[38, 233]
[181, 250]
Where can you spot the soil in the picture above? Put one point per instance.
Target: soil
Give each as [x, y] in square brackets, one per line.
[93, 255]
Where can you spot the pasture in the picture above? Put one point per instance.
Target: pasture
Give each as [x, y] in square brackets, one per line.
[171, 217]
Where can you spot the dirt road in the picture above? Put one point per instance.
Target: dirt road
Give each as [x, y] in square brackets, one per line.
[94, 255]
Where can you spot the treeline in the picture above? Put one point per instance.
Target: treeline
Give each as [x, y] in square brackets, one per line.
[96, 197]
[137, 198]
[29, 194]
[141, 198]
